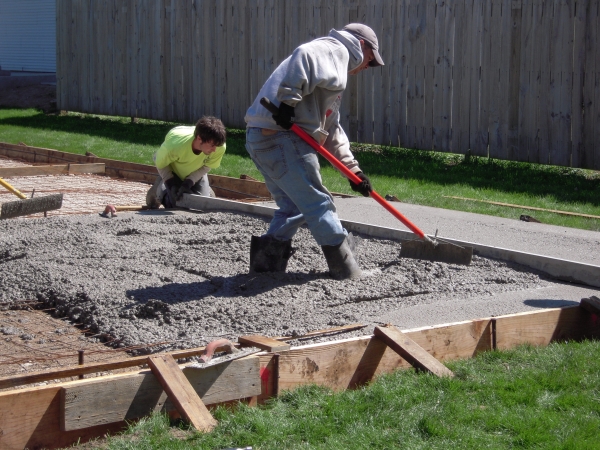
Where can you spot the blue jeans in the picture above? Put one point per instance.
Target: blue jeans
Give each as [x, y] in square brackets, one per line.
[292, 175]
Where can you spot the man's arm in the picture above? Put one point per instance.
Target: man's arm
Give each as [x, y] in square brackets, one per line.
[198, 174]
[338, 144]
[165, 173]
[309, 67]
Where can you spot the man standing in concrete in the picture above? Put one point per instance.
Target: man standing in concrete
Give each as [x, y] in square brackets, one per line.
[184, 160]
[307, 87]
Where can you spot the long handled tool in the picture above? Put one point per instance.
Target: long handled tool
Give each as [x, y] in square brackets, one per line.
[27, 206]
[426, 248]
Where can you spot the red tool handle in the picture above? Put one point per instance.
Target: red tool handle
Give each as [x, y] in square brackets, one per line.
[347, 172]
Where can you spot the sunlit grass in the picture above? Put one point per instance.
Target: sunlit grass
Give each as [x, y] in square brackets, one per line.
[413, 176]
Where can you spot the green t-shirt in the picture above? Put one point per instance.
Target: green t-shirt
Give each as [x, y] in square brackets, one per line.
[177, 153]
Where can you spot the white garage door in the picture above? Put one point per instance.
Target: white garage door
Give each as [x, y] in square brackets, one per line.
[28, 35]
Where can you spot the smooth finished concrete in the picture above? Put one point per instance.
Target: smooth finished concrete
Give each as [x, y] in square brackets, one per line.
[549, 240]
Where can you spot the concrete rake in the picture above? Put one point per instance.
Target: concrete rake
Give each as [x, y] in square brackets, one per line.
[426, 248]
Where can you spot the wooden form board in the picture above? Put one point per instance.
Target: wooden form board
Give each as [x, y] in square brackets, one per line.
[120, 169]
[238, 188]
[411, 351]
[117, 398]
[226, 187]
[84, 369]
[591, 305]
[349, 363]
[30, 417]
[62, 169]
[264, 343]
[543, 327]
[181, 393]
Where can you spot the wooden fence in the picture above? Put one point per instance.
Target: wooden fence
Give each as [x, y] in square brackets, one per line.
[509, 79]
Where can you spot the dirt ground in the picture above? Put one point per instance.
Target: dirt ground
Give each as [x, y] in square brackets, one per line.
[40, 96]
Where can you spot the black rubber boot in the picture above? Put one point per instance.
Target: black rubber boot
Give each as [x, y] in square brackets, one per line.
[340, 260]
[268, 254]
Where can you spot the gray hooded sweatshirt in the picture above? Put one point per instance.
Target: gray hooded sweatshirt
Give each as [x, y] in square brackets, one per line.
[313, 80]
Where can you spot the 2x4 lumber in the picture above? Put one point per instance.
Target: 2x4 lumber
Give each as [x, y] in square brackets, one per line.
[411, 351]
[30, 417]
[62, 169]
[591, 305]
[534, 208]
[113, 168]
[349, 363]
[74, 371]
[264, 343]
[542, 327]
[342, 329]
[116, 398]
[181, 393]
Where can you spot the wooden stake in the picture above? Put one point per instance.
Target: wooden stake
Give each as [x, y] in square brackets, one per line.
[181, 393]
[411, 351]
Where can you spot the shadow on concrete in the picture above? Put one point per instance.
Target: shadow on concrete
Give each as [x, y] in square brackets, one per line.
[547, 303]
[244, 285]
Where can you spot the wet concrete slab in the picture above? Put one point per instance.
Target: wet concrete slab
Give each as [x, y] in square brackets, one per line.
[181, 277]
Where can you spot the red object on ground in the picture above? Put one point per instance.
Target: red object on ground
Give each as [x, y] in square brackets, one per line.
[209, 351]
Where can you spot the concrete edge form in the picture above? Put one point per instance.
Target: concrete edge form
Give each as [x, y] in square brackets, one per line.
[30, 416]
[565, 270]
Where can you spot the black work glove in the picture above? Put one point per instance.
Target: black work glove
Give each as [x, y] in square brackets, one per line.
[285, 116]
[186, 188]
[172, 186]
[364, 187]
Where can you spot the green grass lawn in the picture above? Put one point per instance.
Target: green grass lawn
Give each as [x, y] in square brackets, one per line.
[418, 177]
[528, 397]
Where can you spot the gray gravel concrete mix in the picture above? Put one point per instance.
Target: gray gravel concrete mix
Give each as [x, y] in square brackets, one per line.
[181, 278]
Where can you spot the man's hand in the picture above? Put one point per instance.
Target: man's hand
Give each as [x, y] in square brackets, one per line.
[285, 116]
[364, 187]
[186, 188]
